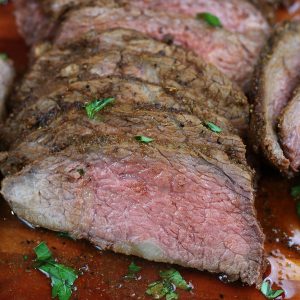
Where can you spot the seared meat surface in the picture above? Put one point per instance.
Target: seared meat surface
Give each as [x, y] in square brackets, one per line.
[276, 77]
[128, 53]
[233, 49]
[191, 188]
[185, 197]
[7, 75]
[289, 131]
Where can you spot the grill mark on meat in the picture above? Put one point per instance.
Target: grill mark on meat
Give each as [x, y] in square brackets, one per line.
[21, 127]
[276, 77]
[168, 72]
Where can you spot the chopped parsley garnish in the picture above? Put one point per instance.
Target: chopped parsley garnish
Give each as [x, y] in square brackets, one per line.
[96, 105]
[267, 291]
[25, 257]
[62, 277]
[133, 269]
[295, 192]
[81, 172]
[210, 19]
[64, 235]
[171, 279]
[213, 127]
[298, 208]
[3, 56]
[143, 139]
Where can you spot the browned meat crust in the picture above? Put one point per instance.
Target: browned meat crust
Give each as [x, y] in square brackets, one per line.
[276, 77]
[185, 198]
[289, 131]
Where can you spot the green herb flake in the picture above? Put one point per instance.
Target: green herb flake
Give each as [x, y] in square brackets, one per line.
[172, 296]
[133, 269]
[171, 279]
[3, 56]
[42, 252]
[64, 235]
[143, 139]
[62, 277]
[213, 127]
[174, 277]
[96, 105]
[81, 172]
[210, 19]
[160, 289]
[295, 192]
[298, 208]
[267, 291]
[25, 257]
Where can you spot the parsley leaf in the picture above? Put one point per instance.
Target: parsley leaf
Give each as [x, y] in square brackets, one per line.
[174, 277]
[267, 291]
[172, 296]
[295, 192]
[159, 289]
[81, 172]
[213, 127]
[96, 105]
[65, 235]
[62, 277]
[143, 139]
[210, 19]
[298, 208]
[3, 56]
[133, 269]
[42, 252]
[171, 279]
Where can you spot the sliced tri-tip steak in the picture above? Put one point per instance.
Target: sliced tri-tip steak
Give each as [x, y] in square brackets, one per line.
[162, 202]
[276, 77]
[289, 131]
[7, 75]
[40, 111]
[233, 53]
[235, 15]
[190, 189]
[175, 70]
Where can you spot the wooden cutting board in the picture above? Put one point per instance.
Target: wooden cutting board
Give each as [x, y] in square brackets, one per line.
[102, 272]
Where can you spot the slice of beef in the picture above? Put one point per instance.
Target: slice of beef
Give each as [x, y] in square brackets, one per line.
[276, 77]
[235, 15]
[161, 202]
[289, 131]
[40, 112]
[89, 59]
[187, 172]
[7, 75]
[233, 54]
